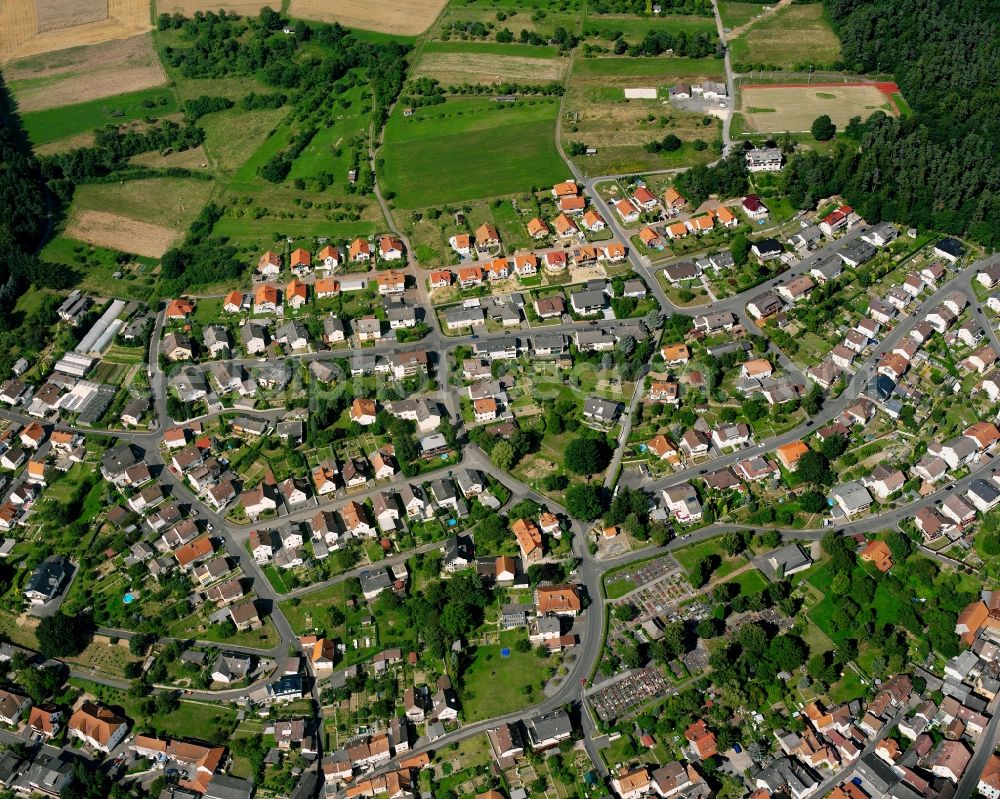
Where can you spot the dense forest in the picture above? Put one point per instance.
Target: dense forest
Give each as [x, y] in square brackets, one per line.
[938, 167]
[935, 167]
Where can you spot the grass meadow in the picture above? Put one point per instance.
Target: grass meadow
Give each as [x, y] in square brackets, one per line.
[470, 149]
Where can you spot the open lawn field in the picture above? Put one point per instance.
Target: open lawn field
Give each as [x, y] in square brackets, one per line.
[735, 14]
[400, 17]
[54, 124]
[144, 217]
[84, 73]
[453, 63]
[31, 27]
[494, 685]
[622, 69]
[194, 159]
[95, 266]
[470, 149]
[598, 115]
[776, 108]
[793, 35]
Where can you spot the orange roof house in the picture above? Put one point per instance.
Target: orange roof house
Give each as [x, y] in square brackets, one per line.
[675, 353]
[487, 235]
[877, 553]
[300, 258]
[726, 217]
[558, 599]
[970, 620]
[193, 551]
[360, 250]
[296, 292]
[537, 228]
[701, 223]
[362, 409]
[649, 237]
[391, 281]
[677, 230]
[567, 188]
[179, 309]
[991, 776]
[662, 447]
[269, 259]
[326, 287]
[572, 205]
[565, 226]
[790, 453]
[97, 725]
[701, 738]
[329, 253]
[985, 434]
[233, 302]
[593, 220]
[470, 275]
[440, 278]
[265, 293]
[529, 539]
[614, 251]
[673, 198]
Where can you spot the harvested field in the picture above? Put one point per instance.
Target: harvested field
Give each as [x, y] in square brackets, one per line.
[54, 15]
[121, 233]
[248, 8]
[399, 17]
[21, 34]
[455, 64]
[773, 108]
[85, 73]
[171, 202]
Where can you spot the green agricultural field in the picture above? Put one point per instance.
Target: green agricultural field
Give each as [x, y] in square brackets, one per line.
[470, 149]
[54, 124]
[793, 35]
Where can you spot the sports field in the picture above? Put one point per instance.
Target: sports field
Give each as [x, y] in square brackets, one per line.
[775, 108]
[469, 150]
[453, 63]
[400, 17]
